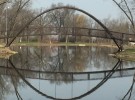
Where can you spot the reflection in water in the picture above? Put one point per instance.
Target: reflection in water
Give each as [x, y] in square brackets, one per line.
[83, 95]
[64, 59]
[129, 93]
[5, 56]
[60, 65]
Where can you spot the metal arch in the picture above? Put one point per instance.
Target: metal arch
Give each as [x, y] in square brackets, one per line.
[66, 7]
[73, 98]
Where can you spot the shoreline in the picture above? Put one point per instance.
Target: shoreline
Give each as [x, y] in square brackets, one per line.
[128, 54]
[64, 44]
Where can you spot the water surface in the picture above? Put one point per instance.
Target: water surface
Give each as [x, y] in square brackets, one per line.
[44, 73]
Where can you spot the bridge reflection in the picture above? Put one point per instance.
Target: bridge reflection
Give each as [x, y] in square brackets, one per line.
[67, 76]
[66, 64]
[12, 70]
[61, 65]
[78, 97]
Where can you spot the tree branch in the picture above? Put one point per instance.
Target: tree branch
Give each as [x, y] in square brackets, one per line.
[130, 18]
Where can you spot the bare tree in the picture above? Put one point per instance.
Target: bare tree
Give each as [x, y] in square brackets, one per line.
[15, 16]
[128, 9]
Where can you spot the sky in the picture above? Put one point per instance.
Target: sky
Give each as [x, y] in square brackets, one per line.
[101, 9]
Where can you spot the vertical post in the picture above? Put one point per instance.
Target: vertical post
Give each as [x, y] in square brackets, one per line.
[121, 67]
[89, 31]
[75, 34]
[104, 74]
[72, 76]
[122, 43]
[88, 76]
[6, 33]
[28, 30]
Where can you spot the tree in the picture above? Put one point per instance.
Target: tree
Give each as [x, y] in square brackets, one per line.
[2, 2]
[66, 21]
[127, 7]
[61, 18]
[17, 15]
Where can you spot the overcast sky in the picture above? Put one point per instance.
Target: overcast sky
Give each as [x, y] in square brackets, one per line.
[99, 8]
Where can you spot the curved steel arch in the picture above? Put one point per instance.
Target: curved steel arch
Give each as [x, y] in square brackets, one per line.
[67, 7]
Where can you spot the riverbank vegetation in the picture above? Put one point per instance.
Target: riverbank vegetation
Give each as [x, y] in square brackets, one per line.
[48, 25]
[128, 54]
[60, 27]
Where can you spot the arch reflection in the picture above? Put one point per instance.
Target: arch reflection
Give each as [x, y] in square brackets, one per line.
[78, 97]
[29, 65]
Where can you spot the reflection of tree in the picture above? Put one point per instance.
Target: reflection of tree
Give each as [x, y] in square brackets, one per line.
[78, 97]
[15, 81]
[57, 60]
[9, 84]
[62, 59]
[5, 88]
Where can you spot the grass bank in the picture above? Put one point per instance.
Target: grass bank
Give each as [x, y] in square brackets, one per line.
[5, 52]
[128, 54]
[63, 44]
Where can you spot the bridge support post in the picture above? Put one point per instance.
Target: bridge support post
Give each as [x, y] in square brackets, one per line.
[122, 42]
[89, 32]
[88, 76]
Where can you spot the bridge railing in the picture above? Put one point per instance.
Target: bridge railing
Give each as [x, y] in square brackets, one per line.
[75, 32]
[66, 76]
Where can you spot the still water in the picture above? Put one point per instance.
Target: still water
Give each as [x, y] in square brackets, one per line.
[82, 73]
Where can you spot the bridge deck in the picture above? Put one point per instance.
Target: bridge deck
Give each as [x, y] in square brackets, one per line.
[74, 31]
[68, 76]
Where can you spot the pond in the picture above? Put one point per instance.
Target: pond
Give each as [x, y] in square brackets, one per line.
[51, 72]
